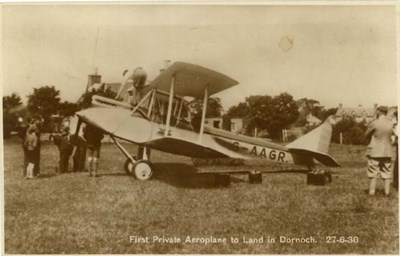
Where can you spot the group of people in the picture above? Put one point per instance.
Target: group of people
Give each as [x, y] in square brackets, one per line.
[69, 145]
[380, 151]
[78, 146]
[74, 145]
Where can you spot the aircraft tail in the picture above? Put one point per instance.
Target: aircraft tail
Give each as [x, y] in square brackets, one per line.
[316, 143]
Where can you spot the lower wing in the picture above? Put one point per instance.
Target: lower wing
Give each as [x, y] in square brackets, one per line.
[182, 147]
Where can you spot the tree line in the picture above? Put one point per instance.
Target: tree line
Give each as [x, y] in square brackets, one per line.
[264, 112]
[45, 102]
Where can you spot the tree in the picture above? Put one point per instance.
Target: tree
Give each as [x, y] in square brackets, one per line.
[325, 113]
[10, 119]
[239, 111]
[266, 112]
[45, 102]
[214, 109]
[276, 114]
[306, 107]
[352, 132]
[102, 91]
[12, 101]
[10, 122]
[67, 108]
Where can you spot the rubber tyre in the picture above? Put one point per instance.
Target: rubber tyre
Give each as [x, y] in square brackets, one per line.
[143, 170]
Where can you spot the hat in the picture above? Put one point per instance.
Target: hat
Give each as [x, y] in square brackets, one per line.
[382, 109]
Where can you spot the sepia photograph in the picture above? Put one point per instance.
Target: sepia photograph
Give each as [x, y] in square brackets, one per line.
[200, 128]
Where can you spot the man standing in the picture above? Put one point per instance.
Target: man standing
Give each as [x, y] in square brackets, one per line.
[93, 137]
[22, 132]
[66, 149]
[30, 145]
[36, 124]
[396, 162]
[379, 151]
[79, 154]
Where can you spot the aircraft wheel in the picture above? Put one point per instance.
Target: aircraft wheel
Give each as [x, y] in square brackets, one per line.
[143, 170]
[128, 166]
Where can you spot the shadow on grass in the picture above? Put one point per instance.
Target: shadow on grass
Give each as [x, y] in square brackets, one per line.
[188, 176]
[46, 175]
[114, 174]
[287, 171]
[184, 176]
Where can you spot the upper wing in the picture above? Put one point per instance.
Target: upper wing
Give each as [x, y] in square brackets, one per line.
[190, 80]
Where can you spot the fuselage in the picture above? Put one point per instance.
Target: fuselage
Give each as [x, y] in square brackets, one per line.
[121, 123]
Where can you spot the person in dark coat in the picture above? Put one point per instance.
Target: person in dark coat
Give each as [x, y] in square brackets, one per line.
[66, 149]
[79, 154]
[36, 124]
[379, 150]
[93, 137]
[22, 132]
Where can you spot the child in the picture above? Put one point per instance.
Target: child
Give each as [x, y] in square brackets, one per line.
[30, 145]
[93, 138]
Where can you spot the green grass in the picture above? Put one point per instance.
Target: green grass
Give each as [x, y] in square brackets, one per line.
[72, 213]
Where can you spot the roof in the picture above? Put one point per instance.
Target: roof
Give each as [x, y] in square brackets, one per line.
[113, 86]
[357, 111]
[313, 119]
[95, 86]
[191, 80]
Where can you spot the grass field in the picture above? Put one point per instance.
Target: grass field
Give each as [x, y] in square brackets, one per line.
[72, 213]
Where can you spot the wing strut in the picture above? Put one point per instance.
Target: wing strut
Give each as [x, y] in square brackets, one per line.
[153, 95]
[141, 102]
[171, 99]
[203, 116]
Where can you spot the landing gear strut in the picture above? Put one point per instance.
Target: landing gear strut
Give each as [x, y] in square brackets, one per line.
[141, 169]
[128, 166]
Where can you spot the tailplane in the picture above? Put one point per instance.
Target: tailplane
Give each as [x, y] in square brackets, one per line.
[316, 143]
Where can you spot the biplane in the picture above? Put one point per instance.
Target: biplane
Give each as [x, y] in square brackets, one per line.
[160, 122]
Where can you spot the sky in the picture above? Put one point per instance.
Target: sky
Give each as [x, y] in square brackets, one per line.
[334, 54]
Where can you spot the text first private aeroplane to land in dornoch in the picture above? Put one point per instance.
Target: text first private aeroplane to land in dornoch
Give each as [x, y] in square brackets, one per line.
[159, 121]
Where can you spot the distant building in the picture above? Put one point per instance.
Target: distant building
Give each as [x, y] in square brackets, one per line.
[94, 83]
[237, 125]
[93, 79]
[312, 120]
[215, 122]
[359, 113]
